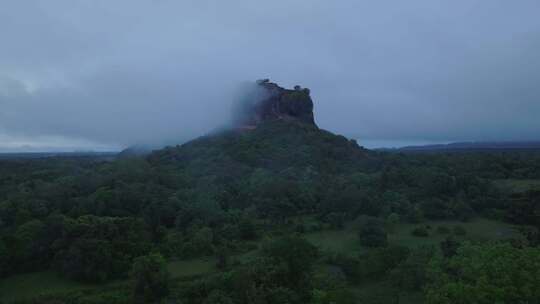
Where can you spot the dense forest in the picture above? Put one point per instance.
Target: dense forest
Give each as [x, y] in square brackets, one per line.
[284, 213]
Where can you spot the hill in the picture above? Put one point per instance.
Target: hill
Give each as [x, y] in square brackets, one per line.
[273, 145]
[473, 146]
[276, 131]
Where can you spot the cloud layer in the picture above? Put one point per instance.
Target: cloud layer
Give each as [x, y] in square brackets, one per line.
[108, 74]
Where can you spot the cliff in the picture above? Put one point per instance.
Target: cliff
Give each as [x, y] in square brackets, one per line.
[271, 102]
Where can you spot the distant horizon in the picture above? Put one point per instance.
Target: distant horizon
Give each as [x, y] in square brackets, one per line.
[369, 144]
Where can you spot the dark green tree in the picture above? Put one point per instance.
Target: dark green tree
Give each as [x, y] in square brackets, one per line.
[489, 273]
[150, 279]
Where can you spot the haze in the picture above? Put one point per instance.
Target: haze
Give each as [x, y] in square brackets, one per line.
[103, 75]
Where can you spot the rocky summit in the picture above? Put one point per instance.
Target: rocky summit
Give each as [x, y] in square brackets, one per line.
[272, 102]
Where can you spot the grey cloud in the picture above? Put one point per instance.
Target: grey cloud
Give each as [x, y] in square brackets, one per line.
[143, 71]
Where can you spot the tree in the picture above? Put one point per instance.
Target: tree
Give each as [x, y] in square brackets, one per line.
[97, 249]
[411, 274]
[296, 253]
[150, 279]
[281, 275]
[449, 247]
[488, 273]
[373, 234]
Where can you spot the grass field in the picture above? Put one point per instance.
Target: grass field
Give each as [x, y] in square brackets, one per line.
[33, 284]
[346, 240]
[188, 268]
[46, 282]
[381, 292]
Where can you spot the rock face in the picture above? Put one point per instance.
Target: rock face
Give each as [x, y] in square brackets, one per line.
[272, 102]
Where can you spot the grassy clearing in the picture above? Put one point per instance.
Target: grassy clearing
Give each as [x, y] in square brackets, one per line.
[188, 268]
[383, 292]
[518, 185]
[30, 285]
[346, 240]
[477, 230]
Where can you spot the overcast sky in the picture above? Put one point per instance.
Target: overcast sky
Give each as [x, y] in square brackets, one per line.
[101, 74]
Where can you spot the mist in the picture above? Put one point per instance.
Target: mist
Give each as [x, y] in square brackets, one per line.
[102, 75]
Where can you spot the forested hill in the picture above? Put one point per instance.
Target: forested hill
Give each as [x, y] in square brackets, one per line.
[275, 131]
[274, 145]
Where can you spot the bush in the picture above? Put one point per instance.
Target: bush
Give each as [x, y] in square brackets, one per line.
[420, 231]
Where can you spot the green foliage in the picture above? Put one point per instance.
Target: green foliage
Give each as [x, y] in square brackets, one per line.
[412, 272]
[490, 273]
[449, 247]
[89, 218]
[296, 253]
[97, 249]
[281, 275]
[200, 244]
[150, 279]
